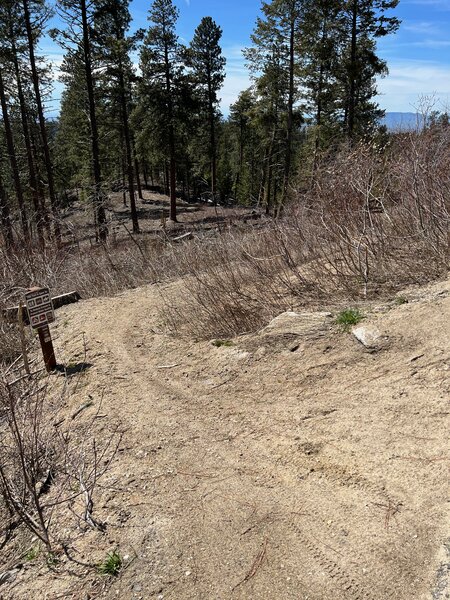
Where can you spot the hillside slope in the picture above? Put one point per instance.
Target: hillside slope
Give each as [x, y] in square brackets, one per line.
[290, 464]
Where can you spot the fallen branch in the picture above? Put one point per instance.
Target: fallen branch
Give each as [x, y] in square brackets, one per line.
[255, 566]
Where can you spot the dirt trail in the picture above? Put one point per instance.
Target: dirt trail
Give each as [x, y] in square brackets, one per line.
[283, 466]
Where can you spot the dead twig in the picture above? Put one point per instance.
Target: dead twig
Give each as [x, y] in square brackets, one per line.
[255, 566]
[391, 510]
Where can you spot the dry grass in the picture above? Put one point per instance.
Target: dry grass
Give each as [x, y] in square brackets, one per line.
[375, 220]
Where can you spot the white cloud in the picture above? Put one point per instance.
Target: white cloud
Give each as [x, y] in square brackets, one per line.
[411, 80]
[435, 44]
[440, 4]
[423, 27]
[237, 78]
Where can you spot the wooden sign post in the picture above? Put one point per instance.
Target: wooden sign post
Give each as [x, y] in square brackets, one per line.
[41, 313]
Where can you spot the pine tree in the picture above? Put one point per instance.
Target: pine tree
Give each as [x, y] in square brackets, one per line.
[289, 17]
[247, 143]
[73, 157]
[39, 10]
[16, 46]
[320, 45]
[268, 60]
[365, 21]
[112, 21]
[11, 149]
[77, 41]
[208, 65]
[162, 84]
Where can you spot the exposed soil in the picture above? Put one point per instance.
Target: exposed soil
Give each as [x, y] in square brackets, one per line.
[153, 214]
[284, 466]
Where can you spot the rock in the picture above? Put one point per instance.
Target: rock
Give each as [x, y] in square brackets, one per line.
[370, 337]
[260, 352]
[8, 576]
[304, 323]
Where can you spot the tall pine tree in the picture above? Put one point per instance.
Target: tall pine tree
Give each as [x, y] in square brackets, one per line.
[162, 66]
[364, 21]
[208, 65]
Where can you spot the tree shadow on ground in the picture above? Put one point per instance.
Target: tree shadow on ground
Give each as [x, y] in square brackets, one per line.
[72, 369]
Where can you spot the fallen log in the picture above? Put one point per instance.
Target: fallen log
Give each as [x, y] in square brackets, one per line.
[11, 314]
[180, 238]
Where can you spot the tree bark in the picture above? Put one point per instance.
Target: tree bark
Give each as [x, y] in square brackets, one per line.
[144, 174]
[128, 151]
[137, 171]
[13, 162]
[33, 183]
[352, 73]
[98, 193]
[212, 139]
[42, 124]
[290, 111]
[172, 163]
[5, 214]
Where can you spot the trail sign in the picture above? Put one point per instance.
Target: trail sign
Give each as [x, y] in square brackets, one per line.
[41, 313]
[40, 307]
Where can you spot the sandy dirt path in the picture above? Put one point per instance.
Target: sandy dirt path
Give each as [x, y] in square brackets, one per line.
[284, 466]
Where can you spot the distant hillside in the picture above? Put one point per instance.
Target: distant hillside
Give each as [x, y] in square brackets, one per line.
[402, 120]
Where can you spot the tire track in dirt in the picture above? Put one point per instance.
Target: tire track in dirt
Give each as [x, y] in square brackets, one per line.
[232, 450]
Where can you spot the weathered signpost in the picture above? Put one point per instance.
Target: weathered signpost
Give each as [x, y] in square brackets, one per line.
[41, 314]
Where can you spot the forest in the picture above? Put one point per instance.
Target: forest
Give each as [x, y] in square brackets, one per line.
[139, 107]
[300, 172]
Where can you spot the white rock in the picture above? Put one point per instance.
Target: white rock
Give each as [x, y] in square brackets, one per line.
[370, 337]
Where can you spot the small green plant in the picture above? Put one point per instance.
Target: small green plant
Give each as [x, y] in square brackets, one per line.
[349, 317]
[51, 560]
[32, 553]
[221, 343]
[399, 300]
[111, 565]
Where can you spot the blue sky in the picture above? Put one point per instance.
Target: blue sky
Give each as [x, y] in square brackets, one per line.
[418, 55]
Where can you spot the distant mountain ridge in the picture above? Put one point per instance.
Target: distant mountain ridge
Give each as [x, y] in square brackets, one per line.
[402, 120]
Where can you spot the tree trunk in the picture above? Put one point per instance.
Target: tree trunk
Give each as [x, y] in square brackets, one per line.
[5, 214]
[41, 189]
[137, 171]
[241, 158]
[144, 174]
[290, 112]
[13, 162]
[128, 152]
[166, 178]
[172, 165]
[212, 140]
[173, 181]
[269, 171]
[98, 193]
[352, 73]
[42, 124]
[33, 183]
[317, 140]
[123, 170]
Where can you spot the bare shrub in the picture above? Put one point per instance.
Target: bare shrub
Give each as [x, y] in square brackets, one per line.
[381, 217]
[47, 472]
[377, 219]
[235, 282]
